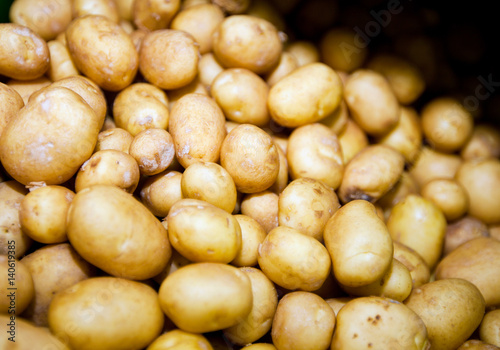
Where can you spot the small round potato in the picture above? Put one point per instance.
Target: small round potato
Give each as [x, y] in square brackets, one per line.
[463, 230]
[109, 167]
[431, 164]
[153, 15]
[242, 95]
[211, 183]
[205, 297]
[106, 8]
[371, 101]
[102, 51]
[340, 50]
[113, 231]
[53, 268]
[106, 313]
[303, 321]
[197, 126]
[139, 107]
[489, 330]
[251, 158]
[451, 310]
[18, 276]
[293, 260]
[359, 244]
[448, 195]
[178, 340]
[10, 103]
[314, 151]
[252, 235]
[371, 173]
[378, 323]
[208, 69]
[24, 55]
[115, 138]
[352, 140]
[258, 322]
[160, 192]
[259, 45]
[61, 64]
[43, 214]
[419, 271]
[169, 58]
[306, 95]
[304, 52]
[263, 207]
[483, 143]
[153, 149]
[306, 205]
[286, 65]
[202, 232]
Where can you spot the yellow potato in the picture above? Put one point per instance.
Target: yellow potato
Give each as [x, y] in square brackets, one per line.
[489, 330]
[202, 232]
[286, 65]
[105, 8]
[113, 231]
[115, 138]
[205, 297]
[177, 340]
[10, 103]
[339, 50]
[154, 14]
[338, 303]
[378, 323]
[61, 64]
[451, 310]
[304, 52]
[260, 346]
[477, 345]
[252, 235]
[16, 287]
[463, 230]
[419, 271]
[208, 69]
[359, 244]
[125, 9]
[293, 260]
[448, 195]
[160, 192]
[427, 241]
[25, 88]
[194, 87]
[268, 11]
[352, 140]
[233, 6]
[24, 55]
[106, 313]
[282, 179]
[406, 185]
[262, 207]
[337, 121]
[483, 143]
[153, 150]
[431, 164]
[306, 95]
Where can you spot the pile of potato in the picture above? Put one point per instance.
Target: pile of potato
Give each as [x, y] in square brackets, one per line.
[189, 175]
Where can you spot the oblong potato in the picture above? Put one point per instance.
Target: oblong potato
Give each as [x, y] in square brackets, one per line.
[113, 231]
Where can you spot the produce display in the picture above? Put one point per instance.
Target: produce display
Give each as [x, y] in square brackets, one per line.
[247, 174]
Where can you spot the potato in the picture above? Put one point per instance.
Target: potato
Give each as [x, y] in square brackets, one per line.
[202, 232]
[481, 180]
[11, 197]
[371, 101]
[10, 103]
[378, 323]
[53, 268]
[109, 167]
[205, 297]
[304, 52]
[476, 261]
[107, 313]
[314, 151]
[153, 149]
[125, 9]
[352, 140]
[102, 51]
[431, 164]
[115, 139]
[61, 64]
[427, 241]
[282, 178]
[419, 271]
[263, 207]
[258, 322]
[446, 124]
[201, 22]
[16, 286]
[154, 15]
[359, 244]
[57, 145]
[24, 55]
[266, 10]
[340, 51]
[403, 75]
[160, 192]
[451, 310]
[260, 346]
[448, 195]
[105, 8]
[306, 205]
[337, 121]
[250, 157]
[252, 235]
[463, 230]
[303, 320]
[338, 303]
[406, 136]
[197, 127]
[208, 69]
[43, 214]
[293, 260]
[116, 233]
[211, 183]
[371, 173]
[259, 45]
[32, 337]
[177, 340]
[406, 185]
[483, 143]
[194, 87]
[489, 330]
[25, 88]
[396, 284]
[477, 345]
[47, 18]
[306, 95]
[169, 58]
[286, 65]
[242, 95]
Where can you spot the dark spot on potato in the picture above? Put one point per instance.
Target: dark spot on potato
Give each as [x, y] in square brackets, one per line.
[355, 335]
[95, 162]
[318, 213]
[369, 319]
[370, 345]
[318, 191]
[378, 317]
[358, 194]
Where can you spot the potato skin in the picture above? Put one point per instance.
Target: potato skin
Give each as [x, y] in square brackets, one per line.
[10, 103]
[43, 144]
[24, 55]
[115, 232]
[489, 330]
[152, 15]
[419, 270]
[23, 282]
[108, 312]
[103, 51]
[177, 340]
